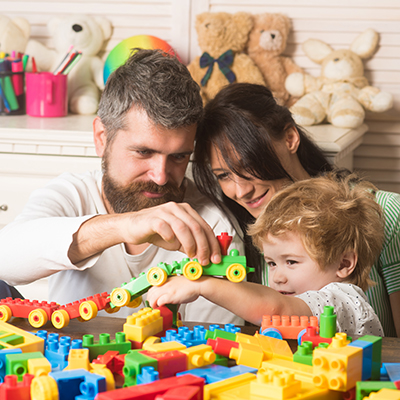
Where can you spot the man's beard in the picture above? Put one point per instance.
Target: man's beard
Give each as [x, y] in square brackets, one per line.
[130, 198]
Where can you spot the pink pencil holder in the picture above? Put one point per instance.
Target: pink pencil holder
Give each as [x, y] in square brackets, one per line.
[46, 94]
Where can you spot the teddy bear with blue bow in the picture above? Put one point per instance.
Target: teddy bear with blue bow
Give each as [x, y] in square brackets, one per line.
[222, 38]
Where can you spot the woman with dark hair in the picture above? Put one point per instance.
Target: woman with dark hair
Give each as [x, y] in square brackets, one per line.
[248, 148]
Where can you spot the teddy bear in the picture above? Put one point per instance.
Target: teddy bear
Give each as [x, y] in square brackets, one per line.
[342, 91]
[267, 42]
[87, 34]
[14, 34]
[222, 38]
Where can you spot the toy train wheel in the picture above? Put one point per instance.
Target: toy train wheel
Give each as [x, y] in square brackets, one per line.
[156, 276]
[60, 319]
[272, 332]
[88, 310]
[192, 270]
[120, 297]
[135, 302]
[44, 388]
[5, 313]
[37, 318]
[236, 272]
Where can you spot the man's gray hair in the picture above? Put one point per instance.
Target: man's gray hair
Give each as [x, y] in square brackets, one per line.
[156, 82]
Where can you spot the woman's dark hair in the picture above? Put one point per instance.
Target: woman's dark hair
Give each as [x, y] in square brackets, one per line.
[244, 121]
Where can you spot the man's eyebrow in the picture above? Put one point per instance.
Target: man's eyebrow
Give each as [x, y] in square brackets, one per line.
[145, 148]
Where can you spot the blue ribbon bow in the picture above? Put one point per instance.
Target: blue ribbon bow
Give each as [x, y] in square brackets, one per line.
[224, 61]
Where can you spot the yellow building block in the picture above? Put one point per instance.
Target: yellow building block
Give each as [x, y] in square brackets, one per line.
[102, 370]
[213, 390]
[247, 354]
[245, 338]
[39, 366]
[384, 394]
[163, 347]
[142, 324]
[30, 343]
[278, 384]
[276, 347]
[339, 340]
[337, 368]
[301, 372]
[198, 356]
[78, 358]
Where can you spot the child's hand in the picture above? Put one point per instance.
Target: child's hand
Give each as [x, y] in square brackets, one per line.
[177, 290]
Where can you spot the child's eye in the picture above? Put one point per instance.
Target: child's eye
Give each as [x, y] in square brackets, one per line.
[291, 262]
[271, 264]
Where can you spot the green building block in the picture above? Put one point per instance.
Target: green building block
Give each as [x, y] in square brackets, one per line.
[13, 339]
[376, 355]
[105, 344]
[17, 363]
[304, 354]
[221, 360]
[327, 323]
[364, 388]
[221, 334]
[134, 362]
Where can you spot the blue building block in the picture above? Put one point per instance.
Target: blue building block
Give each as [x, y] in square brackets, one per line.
[148, 375]
[215, 373]
[78, 384]
[3, 361]
[392, 371]
[185, 336]
[367, 357]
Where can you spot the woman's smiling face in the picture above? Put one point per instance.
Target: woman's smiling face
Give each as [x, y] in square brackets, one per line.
[253, 194]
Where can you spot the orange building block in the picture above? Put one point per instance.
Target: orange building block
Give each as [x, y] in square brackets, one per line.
[289, 327]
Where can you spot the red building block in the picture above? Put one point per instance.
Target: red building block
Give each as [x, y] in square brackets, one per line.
[169, 362]
[222, 346]
[182, 393]
[312, 336]
[10, 389]
[152, 390]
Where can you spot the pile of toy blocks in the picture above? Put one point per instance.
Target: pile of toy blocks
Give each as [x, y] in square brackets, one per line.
[149, 359]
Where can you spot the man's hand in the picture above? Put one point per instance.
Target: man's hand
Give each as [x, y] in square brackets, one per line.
[177, 290]
[172, 226]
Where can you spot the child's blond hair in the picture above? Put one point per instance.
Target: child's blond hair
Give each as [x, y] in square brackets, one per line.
[331, 216]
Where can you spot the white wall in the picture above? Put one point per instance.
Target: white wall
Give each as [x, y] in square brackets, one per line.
[337, 23]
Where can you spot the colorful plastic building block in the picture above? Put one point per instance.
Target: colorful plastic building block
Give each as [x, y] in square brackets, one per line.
[153, 390]
[186, 336]
[327, 322]
[169, 363]
[228, 332]
[222, 346]
[78, 359]
[366, 357]
[304, 354]
[134, 363]
[38, 366]
[17, 364]
[143, 324]
[364, 388]
[104, 344]
[161, 347]
[337, 368]
[286, 327]
[376, 355]
[27, 342]
[247, 354]
[3, 361]
[11, 389]
[200, 355]
[384, 394]
[148, 375]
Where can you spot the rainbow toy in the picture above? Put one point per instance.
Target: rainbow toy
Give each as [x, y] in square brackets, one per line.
[120, 53]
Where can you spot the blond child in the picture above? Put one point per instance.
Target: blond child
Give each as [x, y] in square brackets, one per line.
[320, 238]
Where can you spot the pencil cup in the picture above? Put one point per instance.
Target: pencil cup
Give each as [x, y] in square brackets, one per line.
[12, 93]
[46, 95]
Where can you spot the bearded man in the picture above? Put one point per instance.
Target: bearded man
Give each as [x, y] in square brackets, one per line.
[91, 232]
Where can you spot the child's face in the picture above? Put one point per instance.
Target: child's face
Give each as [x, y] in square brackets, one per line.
[291, 271]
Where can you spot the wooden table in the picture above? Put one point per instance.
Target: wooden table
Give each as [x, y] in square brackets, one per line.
[111, 325]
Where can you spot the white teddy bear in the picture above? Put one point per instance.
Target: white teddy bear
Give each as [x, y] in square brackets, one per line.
[341, 91]
[85, 81]
[14, 34]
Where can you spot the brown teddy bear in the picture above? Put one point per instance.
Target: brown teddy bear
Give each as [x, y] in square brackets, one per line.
[222, 37]
[267, 41]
